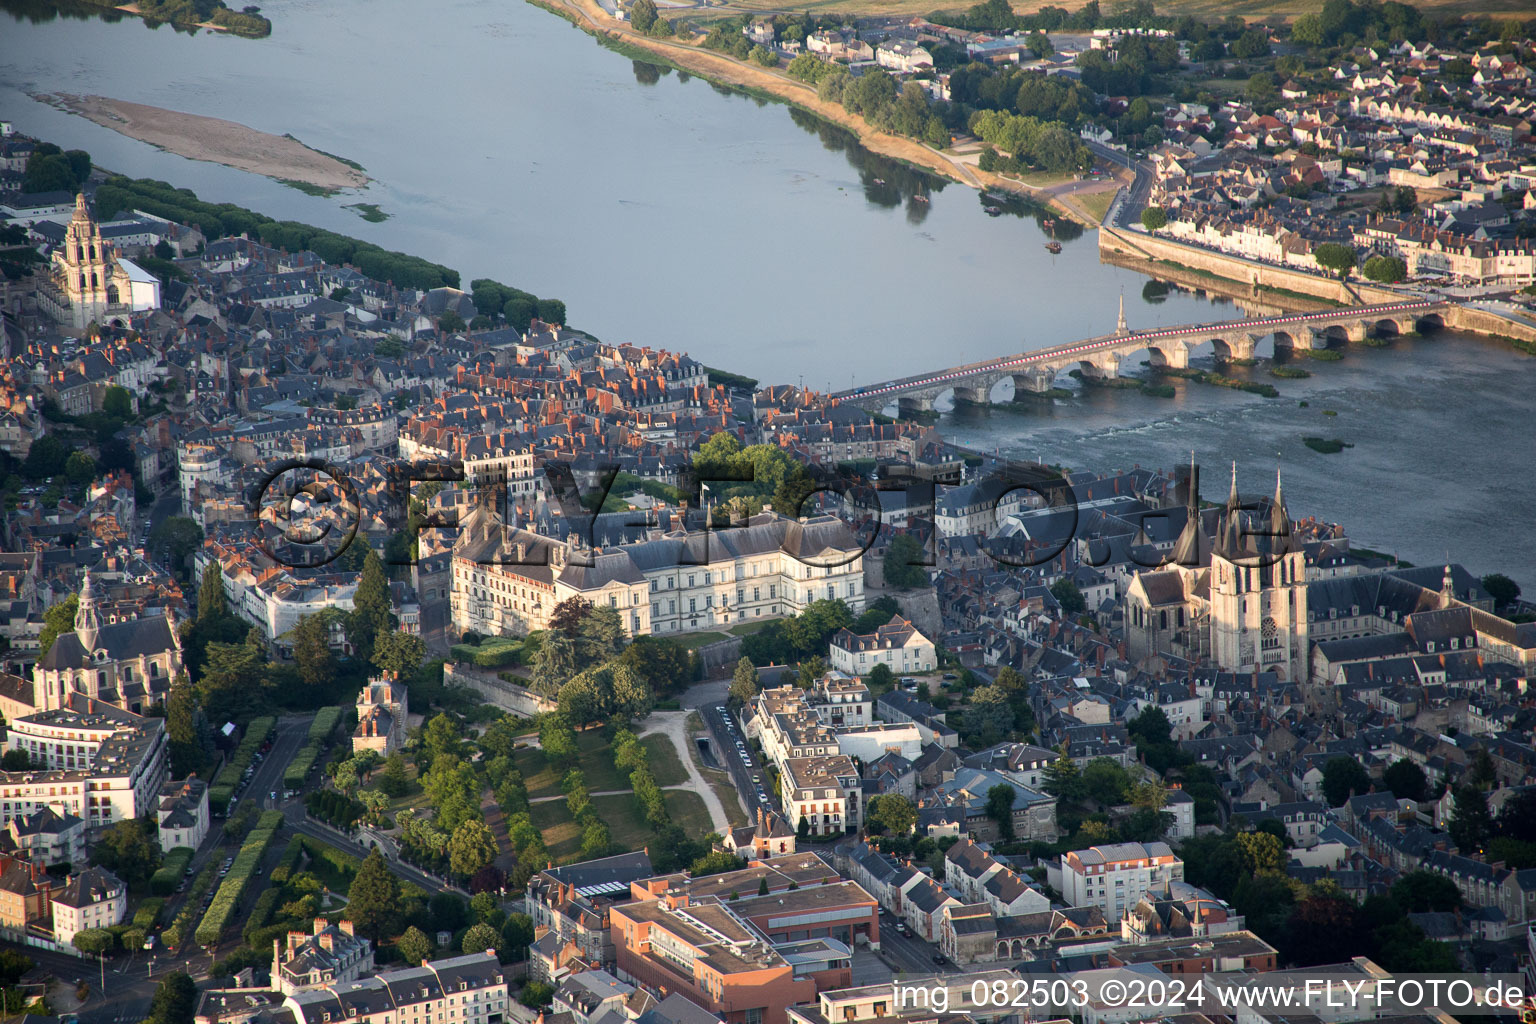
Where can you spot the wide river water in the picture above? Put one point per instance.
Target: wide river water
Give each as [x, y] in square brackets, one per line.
[507, 144]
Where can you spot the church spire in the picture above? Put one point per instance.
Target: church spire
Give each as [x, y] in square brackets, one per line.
[1447, 585]
[87, 619]
[1232, 494]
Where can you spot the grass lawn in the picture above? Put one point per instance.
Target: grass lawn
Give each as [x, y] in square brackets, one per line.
[748, 628]
[665, 764]
[688, 810]
[729, 798]
[1095, 204]
[415, 797]
[596, 764]
[626, 826]
[693, 641]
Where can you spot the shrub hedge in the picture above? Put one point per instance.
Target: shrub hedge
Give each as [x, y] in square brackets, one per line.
[246, 867]
[165, 879]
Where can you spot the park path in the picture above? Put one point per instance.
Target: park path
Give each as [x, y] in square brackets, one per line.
[601, 792]
[674, 726]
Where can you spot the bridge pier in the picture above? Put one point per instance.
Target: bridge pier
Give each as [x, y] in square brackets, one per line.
[1359, 331]
[911, 407]
[1037, 381]
[1238, 346]
[1101, 366]
[1316, 338]
[972, 395]
[1174, 355]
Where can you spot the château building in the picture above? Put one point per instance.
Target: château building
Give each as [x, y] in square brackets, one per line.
[507, 580]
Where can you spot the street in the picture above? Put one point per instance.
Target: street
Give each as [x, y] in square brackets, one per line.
[741, 764]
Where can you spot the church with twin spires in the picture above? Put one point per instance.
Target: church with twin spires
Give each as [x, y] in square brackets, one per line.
[1237, 600]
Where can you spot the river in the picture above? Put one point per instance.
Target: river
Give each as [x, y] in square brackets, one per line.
[507, 144]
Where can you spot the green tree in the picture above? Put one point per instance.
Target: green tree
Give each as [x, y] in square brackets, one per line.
[371, 614]
[450, 322]
[413, 946]
[1105, 781]
[744, 684]
[94, 941]
[80, 468]
[188, 755]
[471, 847]
[393, 780]
[373, 901]
[130, 850]
[553, 663]
[763, 56]
[1471, 824]
[1406, 780]
[1336, 257]
[400, 653]
[57, 620]
[1419, 892]
[311, 639]
[1061, 778]
[1261, 88]
[1252, 43]
[1000, 808]
[480, 938]
[903, 567]
[1344, 777]
[642, 15]
[517, 935]
[1385, 269]
[894, 813]
[881, 677]
[1501, 588]
[600, 636]
[212, 605]
[1260, 852]
[118, 402]
[177, 537]
[1069, 596]
[1154, 218]
[175, 1000]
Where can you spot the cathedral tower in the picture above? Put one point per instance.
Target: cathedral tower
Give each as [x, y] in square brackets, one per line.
[85, 270]
[1258, 589]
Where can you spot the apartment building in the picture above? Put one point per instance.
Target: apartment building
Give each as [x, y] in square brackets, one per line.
[824, 792]
[718, 960]
[1116, 876]
[327, 955]
[104, 764]
[569, 907]
[898, 645]
[468, 989]
[94, 898]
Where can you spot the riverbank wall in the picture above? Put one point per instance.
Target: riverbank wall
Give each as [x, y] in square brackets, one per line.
[1288, 290]
[771, 85]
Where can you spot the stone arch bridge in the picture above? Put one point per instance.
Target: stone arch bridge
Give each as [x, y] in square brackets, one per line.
[1100, 358]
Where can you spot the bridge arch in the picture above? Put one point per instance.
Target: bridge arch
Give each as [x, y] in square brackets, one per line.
[1387, 327]
[1430, 322]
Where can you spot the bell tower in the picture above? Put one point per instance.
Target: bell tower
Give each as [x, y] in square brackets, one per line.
[84, 268]
[1258, 589]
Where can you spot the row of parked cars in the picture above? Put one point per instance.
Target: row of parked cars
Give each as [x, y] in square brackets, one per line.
[745, 755]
